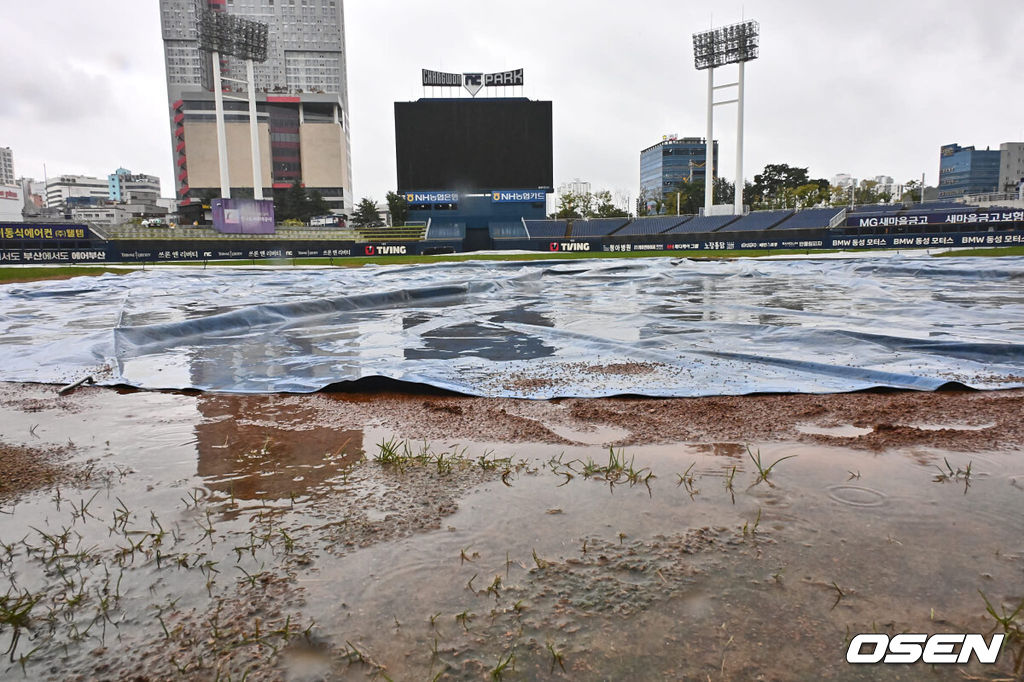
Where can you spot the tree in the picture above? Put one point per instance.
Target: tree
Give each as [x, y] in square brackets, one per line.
[686, 198]
[724, 192]
[648, 203]
[366, 214]
[769, 187]
[604, 207]
[912, 191]
[398, 207]
[575, 205]
[316, 205]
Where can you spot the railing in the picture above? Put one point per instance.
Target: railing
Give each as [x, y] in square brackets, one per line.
[839, 219]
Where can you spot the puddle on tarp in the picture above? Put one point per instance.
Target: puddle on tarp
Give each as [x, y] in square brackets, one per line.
[262, 542]
[654, 326]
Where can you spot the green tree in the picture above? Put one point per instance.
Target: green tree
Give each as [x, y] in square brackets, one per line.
[398, 207]
[912, 191]
[649, 203]
[769, 189]
[574, 205]
[724, 192]
[366, 214]
[686, 199]
[604, 207]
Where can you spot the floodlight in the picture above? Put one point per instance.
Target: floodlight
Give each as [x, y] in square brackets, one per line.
[230, 35]
[732, 44]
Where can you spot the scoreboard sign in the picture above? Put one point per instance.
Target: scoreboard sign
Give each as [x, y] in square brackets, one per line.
[473, 82]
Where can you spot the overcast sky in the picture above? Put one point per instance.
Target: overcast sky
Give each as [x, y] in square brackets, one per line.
[867, 88]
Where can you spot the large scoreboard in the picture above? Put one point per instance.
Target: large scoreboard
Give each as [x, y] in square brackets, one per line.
[473, 144]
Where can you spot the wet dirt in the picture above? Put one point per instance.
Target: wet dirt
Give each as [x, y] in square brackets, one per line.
[334, 536]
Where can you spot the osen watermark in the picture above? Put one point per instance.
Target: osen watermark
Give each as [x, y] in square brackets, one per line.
[911, 648]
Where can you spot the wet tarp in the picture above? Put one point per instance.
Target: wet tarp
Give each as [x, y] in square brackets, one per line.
[653, 326]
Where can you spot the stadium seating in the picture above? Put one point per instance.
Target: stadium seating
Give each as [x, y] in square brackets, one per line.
[512, 229]
[758, 221]
[809, 218]
[597, 227]
[878, 208]
[546, 229]
[702, 224]
[444, 230]
[653, 225]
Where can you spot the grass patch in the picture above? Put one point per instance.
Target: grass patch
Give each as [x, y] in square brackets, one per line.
[23, 274]
[360, 261]
[986, 253]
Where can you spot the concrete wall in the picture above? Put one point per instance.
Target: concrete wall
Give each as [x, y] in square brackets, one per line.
[324, 156]
[201, 150]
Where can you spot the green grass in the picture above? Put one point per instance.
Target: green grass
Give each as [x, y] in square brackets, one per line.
[996, 251]
[23, 274]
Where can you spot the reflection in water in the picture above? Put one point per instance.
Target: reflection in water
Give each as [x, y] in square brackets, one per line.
[244, 452]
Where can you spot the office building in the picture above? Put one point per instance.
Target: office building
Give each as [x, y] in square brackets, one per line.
[966, 170]
[301, 93]
[1011, 166]
[6, 166]
[125, 186]
[673, 161]
[75, 189]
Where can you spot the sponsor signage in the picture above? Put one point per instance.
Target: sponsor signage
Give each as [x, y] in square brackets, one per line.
[939, 218]
[44, 232]
[243, 216]
[432, 197]
[385, 250]
[474, 81]
[569, 246]
[506, 196]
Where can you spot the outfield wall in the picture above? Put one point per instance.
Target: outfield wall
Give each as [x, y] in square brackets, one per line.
[75, 244]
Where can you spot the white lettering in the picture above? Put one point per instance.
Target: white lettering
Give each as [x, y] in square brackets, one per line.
[855, 654]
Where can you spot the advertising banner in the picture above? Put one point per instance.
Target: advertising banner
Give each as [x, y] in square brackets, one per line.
[980, 216]
[11, 231]
[243, 216]
[432, 197]
[505, 196]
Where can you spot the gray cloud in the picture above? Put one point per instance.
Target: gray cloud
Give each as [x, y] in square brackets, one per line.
[867, 88]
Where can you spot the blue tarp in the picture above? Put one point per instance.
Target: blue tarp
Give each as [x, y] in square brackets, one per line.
[653, 326]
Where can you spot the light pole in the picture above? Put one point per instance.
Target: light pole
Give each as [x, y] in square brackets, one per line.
[221, 33]
[734, 44]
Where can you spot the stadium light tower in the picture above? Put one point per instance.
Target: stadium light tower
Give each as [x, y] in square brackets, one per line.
[222, 33]
[734, 44]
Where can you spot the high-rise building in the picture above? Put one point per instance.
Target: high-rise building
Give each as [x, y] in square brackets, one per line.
[1011, 166]
[966, 170]
[302, 100]
[577, 186]
[673, 161]
[6, 166]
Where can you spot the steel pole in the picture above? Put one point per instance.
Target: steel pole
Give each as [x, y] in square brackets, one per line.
[738, 194]
[254, 133]
[222, 141]
[709, 159]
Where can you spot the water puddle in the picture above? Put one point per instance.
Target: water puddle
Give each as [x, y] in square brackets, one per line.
[840, 431]
[228, 535]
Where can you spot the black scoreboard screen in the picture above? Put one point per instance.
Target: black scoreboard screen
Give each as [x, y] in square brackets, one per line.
[473, 144]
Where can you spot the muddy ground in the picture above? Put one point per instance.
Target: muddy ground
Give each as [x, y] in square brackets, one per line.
[416, 536]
